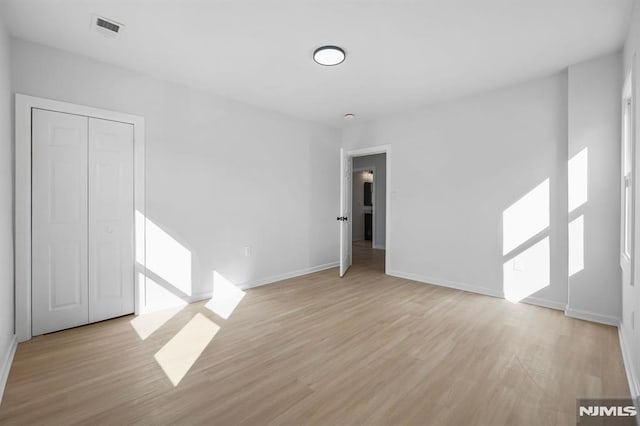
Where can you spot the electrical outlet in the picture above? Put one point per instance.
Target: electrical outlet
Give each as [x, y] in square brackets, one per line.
[518, 264]
[247, 251]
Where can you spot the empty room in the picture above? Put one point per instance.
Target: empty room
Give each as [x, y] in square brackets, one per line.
[322, 212]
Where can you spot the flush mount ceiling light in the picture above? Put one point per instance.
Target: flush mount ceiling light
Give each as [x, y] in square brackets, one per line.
[349, 116]
[329, 55]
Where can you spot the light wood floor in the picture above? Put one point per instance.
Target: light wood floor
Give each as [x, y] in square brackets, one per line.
[366, 349]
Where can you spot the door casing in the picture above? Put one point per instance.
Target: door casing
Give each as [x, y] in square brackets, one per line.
[23, 107]
[361, 152]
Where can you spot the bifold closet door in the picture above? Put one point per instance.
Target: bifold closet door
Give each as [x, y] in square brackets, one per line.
[82, 220]
[111, 216]
[59, 194]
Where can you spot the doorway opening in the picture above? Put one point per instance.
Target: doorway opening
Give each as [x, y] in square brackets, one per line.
[368, 212]
[364, 220]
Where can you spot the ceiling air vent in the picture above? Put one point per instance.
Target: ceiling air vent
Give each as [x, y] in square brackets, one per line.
[106, 27]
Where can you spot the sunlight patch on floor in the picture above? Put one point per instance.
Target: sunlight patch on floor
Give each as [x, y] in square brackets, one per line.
[146, 324]
[184, 349]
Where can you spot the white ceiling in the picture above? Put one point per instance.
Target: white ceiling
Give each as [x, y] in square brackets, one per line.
[401, 54]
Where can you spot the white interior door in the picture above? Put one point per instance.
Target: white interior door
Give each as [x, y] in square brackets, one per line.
[59, 221]
[346, 171]
[111, 215]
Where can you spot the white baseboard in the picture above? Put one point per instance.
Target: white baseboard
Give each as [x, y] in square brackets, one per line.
[264, 281]
[445, 283]
[632, 377]
[286, 276]
[591, 316]
[6, 365]
[378, 246]
[545, 303]
[198, 297]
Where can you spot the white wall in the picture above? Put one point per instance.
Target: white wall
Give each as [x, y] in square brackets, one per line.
[379, 163]
[457, 167]
[594, 131]
[6, 210]
[630, 329]
[220, 175]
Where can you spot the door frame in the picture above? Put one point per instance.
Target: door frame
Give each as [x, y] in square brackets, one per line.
[373, 202]
[626, 262]
[380, 149]
[22, 245]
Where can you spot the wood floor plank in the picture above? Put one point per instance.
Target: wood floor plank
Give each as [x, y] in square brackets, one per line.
[366, 349]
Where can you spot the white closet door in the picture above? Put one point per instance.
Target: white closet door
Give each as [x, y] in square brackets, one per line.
[59, 221]
[111, 215]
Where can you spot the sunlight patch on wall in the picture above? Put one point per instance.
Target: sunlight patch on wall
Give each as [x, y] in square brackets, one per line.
[578, 172]
[167, 258]
[184, 349]
[140, 237]
[525, 218]
[156, 297]
[226, 296]
[527, 272]
[576, 245]
[146, 324]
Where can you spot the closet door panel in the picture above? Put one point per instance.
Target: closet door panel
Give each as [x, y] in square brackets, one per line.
[59, 221]
[111, 215]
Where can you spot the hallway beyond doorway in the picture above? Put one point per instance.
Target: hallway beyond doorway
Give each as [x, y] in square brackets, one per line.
[367, 258]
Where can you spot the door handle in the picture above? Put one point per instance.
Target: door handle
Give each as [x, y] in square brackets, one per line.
[342, 218]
